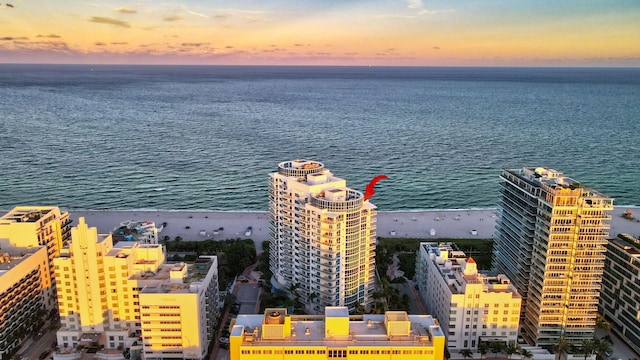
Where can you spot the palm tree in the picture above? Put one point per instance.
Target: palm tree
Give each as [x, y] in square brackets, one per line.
[482, 349]
[496, 347]
[588, 347]
[601, 324]
[466, 353]
[561, 347]
[526, 354]
[602, 347]
[511, 349]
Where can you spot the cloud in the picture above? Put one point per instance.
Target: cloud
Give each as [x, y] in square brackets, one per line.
[119, 43]
[197, 14]
[422, 10]
[222, 16]
[436, 47]
[6, 38]
[110, 21]
[99, 43]
[194, 44]
[10, 38]
[125, 10]
[228, 47]
[50, 36]
[415, 4]
[173, 17]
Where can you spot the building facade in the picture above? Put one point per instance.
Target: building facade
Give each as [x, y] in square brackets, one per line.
[393, 335]
[621, 289]
[24, 279]
[33, 226]
[550, 241]
[102, 289]
[179, 314]
[472, 308]
[322, 237]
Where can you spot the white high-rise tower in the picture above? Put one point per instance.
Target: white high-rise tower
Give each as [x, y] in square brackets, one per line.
[322, 237]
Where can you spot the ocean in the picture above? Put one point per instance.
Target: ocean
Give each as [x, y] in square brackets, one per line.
[206, 137]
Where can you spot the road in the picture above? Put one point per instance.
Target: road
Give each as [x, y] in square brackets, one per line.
[33, 348]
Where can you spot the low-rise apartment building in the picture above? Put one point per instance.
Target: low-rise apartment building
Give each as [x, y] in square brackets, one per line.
[393, 335]
[471, 307]
[124, 296]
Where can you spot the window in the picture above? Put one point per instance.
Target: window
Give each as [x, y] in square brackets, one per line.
[337, 353]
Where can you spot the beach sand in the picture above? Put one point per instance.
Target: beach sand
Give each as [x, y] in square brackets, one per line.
[427, 224]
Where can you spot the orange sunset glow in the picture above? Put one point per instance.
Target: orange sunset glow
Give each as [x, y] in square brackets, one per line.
[408, 32]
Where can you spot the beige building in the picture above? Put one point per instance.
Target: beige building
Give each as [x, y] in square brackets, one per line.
[33, 226]
[102, 289]
[24, 282]
[322, 237]
[550, 241]
[278, 335]
[472, 308]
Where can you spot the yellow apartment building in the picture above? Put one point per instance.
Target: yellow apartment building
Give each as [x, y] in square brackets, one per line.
[550, 241]
[33, 226]
[103, 288]
[178, 309]
[336, 334]
[24, 279]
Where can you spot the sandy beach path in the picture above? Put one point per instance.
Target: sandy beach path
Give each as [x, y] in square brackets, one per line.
[427, 224]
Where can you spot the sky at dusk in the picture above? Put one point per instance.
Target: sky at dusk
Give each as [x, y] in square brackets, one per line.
[330, 32]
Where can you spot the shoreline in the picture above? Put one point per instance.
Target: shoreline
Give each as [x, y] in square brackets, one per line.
[445, 223]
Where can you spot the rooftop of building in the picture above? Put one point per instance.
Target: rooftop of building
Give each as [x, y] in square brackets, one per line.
[27, 213]
[133, 230]
[300, 167]
[11, 257]
[337, 327]
[552, 179]
[458, 271]
[628, 244]
[175, 278]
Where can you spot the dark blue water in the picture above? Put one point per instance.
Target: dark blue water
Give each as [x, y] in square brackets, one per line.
[173, 137]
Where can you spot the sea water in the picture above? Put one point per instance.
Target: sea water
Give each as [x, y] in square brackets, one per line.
[205, 137]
